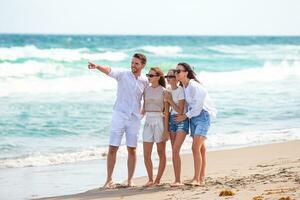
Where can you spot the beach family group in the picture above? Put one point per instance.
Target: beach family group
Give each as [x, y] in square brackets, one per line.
[174, 105]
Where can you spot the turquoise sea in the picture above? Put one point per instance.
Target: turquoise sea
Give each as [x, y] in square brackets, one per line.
[55, 113]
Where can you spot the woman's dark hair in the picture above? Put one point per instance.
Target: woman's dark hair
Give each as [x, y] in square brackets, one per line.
[191, 74]
[160, 73]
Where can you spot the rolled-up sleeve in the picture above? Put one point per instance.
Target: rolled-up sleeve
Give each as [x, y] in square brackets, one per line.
[116, 74]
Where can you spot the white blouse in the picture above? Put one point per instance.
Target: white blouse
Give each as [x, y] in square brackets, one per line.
[197, 99]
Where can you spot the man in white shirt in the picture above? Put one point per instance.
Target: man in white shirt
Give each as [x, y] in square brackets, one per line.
[126, 113]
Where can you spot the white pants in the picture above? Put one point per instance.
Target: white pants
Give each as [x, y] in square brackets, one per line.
[124, 123]
[154, 127]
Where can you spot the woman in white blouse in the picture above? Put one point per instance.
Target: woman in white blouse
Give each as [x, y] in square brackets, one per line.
[200, 110]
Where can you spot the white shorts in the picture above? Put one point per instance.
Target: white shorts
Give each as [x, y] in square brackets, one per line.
[154, 127]
[122, 123]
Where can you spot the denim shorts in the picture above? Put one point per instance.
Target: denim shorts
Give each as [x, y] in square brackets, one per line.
[200, 124]
[181, 126]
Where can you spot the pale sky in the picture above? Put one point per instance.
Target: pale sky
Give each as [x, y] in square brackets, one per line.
[152, 17]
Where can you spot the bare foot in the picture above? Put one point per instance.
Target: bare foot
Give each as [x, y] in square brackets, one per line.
[149, 183]
[156, 183]
[130, 184]
[108, 185]
[176, 184]
[193, 183]
[202, 182]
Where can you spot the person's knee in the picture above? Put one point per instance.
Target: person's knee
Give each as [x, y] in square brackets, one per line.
[175, 151]
[195, 149]
[131, 151]
[161, 152]
[203, 149]
[147, 158]
[112, 150]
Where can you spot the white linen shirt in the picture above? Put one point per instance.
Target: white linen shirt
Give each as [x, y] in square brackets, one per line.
[129, 93]
[197, 99]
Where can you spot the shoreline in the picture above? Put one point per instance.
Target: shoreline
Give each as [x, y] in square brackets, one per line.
[269, 170]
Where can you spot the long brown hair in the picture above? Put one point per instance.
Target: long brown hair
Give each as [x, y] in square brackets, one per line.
[160, 73]
[191, 74]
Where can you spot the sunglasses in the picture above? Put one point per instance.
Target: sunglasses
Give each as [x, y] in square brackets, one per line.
[151, 75]
[169, 77]
[177, 71]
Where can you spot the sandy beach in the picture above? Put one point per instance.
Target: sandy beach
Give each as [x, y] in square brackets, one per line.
[269, 171]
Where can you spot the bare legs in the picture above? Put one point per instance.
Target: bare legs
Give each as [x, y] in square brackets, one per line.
[203, 167]
[199, 160]
[177, 141]
[111, 161]
[131, 163]
[148, 161]
[161, 150]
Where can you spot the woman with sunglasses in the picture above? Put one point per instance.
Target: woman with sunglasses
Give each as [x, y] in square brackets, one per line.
[200, 110]
[156, 124]
[178, 130]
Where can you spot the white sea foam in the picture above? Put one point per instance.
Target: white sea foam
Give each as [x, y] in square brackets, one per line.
[31, 68]
[22, 78]
[38, 159]
[246, 49]
[243, 139]
[79, 84]
[219, 140]
[268, 73]
[162, 50]
[215, 141]
[58, 54]
[265, 52]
